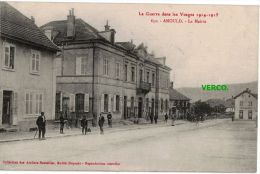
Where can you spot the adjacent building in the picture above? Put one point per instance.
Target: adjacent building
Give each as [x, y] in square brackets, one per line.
[179, 103]
[27, 79]
[246, 105]
[96, 74]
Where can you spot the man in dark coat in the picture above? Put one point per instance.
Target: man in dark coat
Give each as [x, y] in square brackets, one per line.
[166, 117]
[155, 119]
[151, 118]
[109, 119]
[84, 125]
[62, 122]
[101, 121]
[41, 123]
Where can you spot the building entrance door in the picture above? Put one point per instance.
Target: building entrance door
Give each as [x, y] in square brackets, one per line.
[140, 107]
[125, 107]
[7, 105]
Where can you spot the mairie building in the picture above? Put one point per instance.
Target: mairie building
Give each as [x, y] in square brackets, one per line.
[95, 74]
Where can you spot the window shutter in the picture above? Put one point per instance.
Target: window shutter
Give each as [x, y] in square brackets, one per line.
[128, 103]
[102, 103]
[1, 100]
[86, 103]
[61, 96]
[14, 108]
[72, 103]
[109, 102]
[78, 65]
[114, 107]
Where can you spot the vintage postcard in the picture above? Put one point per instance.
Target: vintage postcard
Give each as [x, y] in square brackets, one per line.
[128, 87]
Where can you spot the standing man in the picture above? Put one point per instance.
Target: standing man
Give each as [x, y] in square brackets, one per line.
[155, 119]
[109, 119]
[166, 117]
[84, 125]
[62, 122]
[101, 121]
[151, 118]
[41, 123]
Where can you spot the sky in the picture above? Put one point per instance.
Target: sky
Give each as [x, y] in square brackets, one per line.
[222, 51]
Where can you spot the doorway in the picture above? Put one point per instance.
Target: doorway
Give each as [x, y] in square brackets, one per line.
[140, 107]
[125, 107]
[7, 107]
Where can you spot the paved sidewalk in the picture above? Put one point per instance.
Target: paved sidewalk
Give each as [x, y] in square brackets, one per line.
[54, 132]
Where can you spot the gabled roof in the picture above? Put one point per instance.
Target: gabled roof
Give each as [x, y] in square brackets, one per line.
[83, 31]
[175, 95]
[246, 91]
[14, 25]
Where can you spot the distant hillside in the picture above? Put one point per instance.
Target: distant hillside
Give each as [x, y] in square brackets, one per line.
[233, 89]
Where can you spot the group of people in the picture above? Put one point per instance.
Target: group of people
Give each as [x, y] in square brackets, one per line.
[41, 123]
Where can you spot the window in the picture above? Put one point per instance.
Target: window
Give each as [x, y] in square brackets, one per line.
[147, 104]
[35, 62]
[125, 72]
[240, 114]
[117, 69]
[38, 103]
[161, 104]
[250, 103]
[153, 79]
[133, 74]
[166, 105]
[147, 76]
[81, 65]
[28, 103]
[105, 66]
[105, 102]
[84, 62]
[241, 103]
[132, 103]
[117, 102]
[250, 114]
[9, 56]
[141, 75]
[79, 102]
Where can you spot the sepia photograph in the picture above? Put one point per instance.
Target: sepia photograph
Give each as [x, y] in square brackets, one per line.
[129, 87]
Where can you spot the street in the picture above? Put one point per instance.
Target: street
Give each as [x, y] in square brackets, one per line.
[212, 146]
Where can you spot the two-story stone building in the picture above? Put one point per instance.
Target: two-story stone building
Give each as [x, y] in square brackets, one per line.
[27, 79]
[96, 74]
[246, 105]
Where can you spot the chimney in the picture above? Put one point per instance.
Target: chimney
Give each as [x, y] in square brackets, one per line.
[32, 19]
[71, 24]
[107, 27]
[108, 34]
[171, 85]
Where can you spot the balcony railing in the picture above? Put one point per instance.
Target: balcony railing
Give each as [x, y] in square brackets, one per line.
[144, 87]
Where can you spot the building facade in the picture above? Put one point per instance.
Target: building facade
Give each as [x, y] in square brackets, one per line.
[96, 74]
[27, 79]
[179, 103]
[246, 105]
